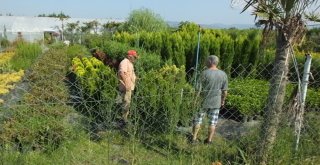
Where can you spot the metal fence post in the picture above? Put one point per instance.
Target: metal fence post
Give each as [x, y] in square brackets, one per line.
[305, 79]
[304, 87]
[197, 58]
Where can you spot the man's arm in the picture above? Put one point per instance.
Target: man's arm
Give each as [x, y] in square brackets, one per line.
[125, 80]
[224, 90]
[123, 76]
[223, 97]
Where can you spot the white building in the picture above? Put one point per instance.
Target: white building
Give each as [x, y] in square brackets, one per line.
[33, 28]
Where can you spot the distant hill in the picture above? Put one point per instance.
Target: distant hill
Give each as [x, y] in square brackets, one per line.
[217, 25]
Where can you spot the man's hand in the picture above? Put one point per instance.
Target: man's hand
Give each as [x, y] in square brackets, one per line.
[222, 103]
[128, 88]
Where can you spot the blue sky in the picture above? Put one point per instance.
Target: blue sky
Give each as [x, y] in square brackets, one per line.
[199, 11]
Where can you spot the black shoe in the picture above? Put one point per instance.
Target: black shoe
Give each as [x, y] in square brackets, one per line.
[123, 123]
[207, 141]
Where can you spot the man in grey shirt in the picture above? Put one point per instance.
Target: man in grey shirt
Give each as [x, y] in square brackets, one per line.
[213, 89]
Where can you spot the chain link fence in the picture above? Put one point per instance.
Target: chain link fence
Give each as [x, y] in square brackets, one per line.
[54, 118]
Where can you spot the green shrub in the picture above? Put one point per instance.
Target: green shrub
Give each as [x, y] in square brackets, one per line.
[57, 45]
[180, 46]
[116, 50]
[4, 43]
[36, 128]
[226, 54]
[47, 75]
[151, 41]
[96, 88]
[144, 20]
[25, 55]
[147, 62]
[158, 100]
[190, 105]
[94, 40]
[313, 99]
[76, 50]
[249, 96]
[127, 38]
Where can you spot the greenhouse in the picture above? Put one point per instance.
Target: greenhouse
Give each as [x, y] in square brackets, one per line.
[33, 28]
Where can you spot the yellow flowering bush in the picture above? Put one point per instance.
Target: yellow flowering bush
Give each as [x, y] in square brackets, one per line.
[7, 80]
[95, 83]
[5, 57]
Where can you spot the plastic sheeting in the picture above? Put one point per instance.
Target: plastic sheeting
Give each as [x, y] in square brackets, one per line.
[32, 28]
[28, 24]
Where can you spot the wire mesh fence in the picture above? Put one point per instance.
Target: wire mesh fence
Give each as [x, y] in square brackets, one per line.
[76, 119]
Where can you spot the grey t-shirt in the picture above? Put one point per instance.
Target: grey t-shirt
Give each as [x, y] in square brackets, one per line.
[213, 82]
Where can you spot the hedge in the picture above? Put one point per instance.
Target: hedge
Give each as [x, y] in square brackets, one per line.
[180, 46]
[249, 96]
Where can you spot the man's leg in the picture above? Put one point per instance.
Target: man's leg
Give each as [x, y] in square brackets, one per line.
[213, 116]
[195, 131]
[211, 131]
[196, 125]
[126, 105]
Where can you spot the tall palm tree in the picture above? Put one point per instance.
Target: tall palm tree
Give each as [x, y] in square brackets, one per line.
[62, 17]
[72, 29]
[95, 25]
[111, 26]
[91, 25]
[287, 17]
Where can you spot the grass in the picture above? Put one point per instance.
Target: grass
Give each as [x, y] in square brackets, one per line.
[114, 148]
[25, 55]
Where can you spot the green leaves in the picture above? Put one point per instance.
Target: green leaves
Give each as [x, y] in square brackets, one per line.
[288, 5]
[144, 20]
[248, 96]
[160, 96]
[25, 55]
[92, 75]
[179, 47]
[250, 3]
[315, 17]
[96, 88]
[280, 9]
